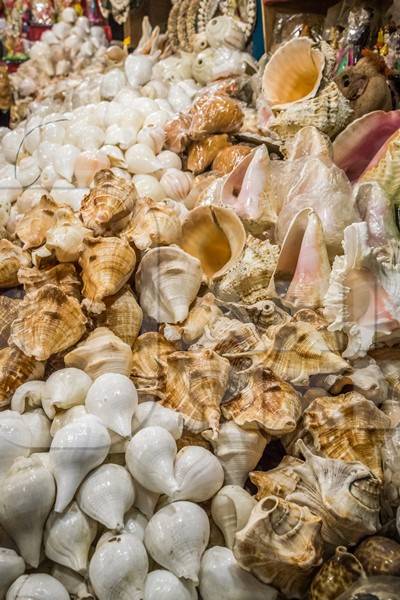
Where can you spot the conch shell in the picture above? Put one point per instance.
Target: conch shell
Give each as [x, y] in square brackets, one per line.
[66, 236]
[203, 152]
[63, 276]
[202, 315]
[101, 352]
[48, 322]
[12, 258]
[168, 280]
[213, 113]
[153, 224]
[108, 203]
[149, 362]
[293, 74]
[214, 235]
[280, 481]
[32, 228]
[8, 312]
[123, 316]
[16, 368]
[107, 264]
[195, 385]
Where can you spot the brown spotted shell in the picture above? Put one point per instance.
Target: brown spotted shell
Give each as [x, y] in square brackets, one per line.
[336, 575]
[149, 363]
[15, 369]
[64, 276]
[48, 322]
[12, 258]
[379, 556]
[123, 315]
[8, 311]
[32, 228]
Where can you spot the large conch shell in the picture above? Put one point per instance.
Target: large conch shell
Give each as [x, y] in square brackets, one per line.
[48, 322]
[32, 228]
[153, 224]
[168, 280]
[301, 276]
[15, 369]
[108, 203]
[195, 385]
[63, 276]
[281, 545]
[101, 352]
[123, 315]
[12, 258]
[149, 363]
[294, 73]
[214, 235]
[376, 210]
[107, 264]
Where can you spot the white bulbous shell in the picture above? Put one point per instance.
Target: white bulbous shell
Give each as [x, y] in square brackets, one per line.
[169, 160]
[74, 583]
[138, 69]
[120, 135]
[221, 578]
[113, 398]
[164, 585]
[135, 522]
[111, 83]
[53, 132]
[158, 118]
[147, 186]
[150, 457]
[198, 474]
[27, 495]
[28, 395]
[37, 586]
[230, 510]
[153, 137]
[11, 567]
[106, 495]
[64, 161]
[64, 389]
[39, 426]
[15, 439]
[27, 171]
[176, 537]
[68, 537]
[67, 416]
[63, 192]
[10, 189]
[141, 160]
[152, 413]
[177, 184]
[118, 568]
[48, 177]
[11, 144]
[145, 500]
[87, 164]
[76, 449]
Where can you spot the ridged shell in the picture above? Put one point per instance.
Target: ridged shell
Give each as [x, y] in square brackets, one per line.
[202, 315]
[228, 158]
[216, 236]
[48, 322]
[107, 264]
[8, 311]
[263, 314]
[65, 238]
[149, 363]
[64, 276]
[101, 352]
[336, 575]
[214, 114]
[385, 166]
[111, 200]
[195, 385]
[123, 316]
[11, 259]
[33, 226]
[16, 369]
[280, 481]
[153, 224]
[202, 153]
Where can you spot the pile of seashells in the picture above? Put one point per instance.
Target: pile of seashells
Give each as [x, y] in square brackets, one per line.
[199, 340]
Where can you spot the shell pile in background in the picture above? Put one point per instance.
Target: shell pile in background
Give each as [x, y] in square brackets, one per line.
[199, 377]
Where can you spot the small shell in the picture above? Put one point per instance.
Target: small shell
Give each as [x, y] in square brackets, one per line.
[230, 509]
[16, 368]
[201, 316]
[379, 556]
[153, 224]
[149, 362]
[11, 567]
[215, 114]
[164, 585]
[107, 264]
[336, 575]
[101, 352]
[64, 276]
[280, 481]
[177, 184]
[8, 312]
[202, 153]
[152, 413]
[27, 396]
[64, 389]
[48, 322]
[177, 133]
[66, 236]
[12, 258]
[123, 315]
[32, 228]
[37, 585]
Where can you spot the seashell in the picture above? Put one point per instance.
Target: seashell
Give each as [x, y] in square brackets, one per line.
[74, 583]
[176, 537]
[64, 161]
[336, 575]
[329, 112]
[115, 156]
[28, 492]
[202, 315]
[177, 133]
[27, 171]
[64, 389]
[135, 522]
[271, 545]
[383, 167]
[169, 160]
[123, 316]
[68, 537]
[214, 114]
[177, 184]
[65, 417]
[247, 279]
[347, 427]
[11, 144]
[48, 322]
[379, 556]
[198, 473]
[215, 236]
[48, 177]
[164, 585]
[375, 209]
[15, 439]
[153, 137]
[228, 158]
[32, 228]
[118, 568]
[39, 426]
[202, 153]
[238, 450]
[87, 164]
[335, 340]
[301, 276]
[153, 224]
[280, 481]
[151, 413]
[107, 264]
[145, 500]
[222, 577]
[150, 457]
[149, 362]
[147, 186]
[37, 586]
[101, 352]
[138, 69]
[141, 160]
[111, 83]
[11, 259]
[111, 200]
[230, 510]
[63, 276]
[8, 312]
[113, 399]
[225, 31]
[27, 396]
[16, 368]
[66, 236]
[267, 401]
[65, 193]
[76, 449]
[264, 314]
[195, 385]
[283, 86]
[168, 280]
[106, 495]
[11, 567]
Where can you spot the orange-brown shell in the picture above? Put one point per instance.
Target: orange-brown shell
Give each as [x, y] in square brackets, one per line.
[228, 158]
[8, 311]
[33, 226]
[15, 369]
[12, 258]
[64, 276]
[123, 315]
[177, 133]
[280, 481]
[149, 362]
[215, 114]
[202, 153]
[336, 575]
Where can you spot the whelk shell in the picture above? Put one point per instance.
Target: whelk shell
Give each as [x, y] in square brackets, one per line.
[32, 228]
[8, 312]
[123, 315]
[153, 224]
[16, 368]
[202, 315]
[12, 258]
[63, 276]
[149, 363]
[65, 237]
[230, 510]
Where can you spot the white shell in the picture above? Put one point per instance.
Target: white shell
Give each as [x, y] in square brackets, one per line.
[152, 413]
[138, 69]
[153, 137]
[158, 118]
[145, 500]
[169, 160]
[118, 568]
[148, 186]
[48, 177]
[28, 395]
[141, 160]
[111, 83]
[74, 583]
[64, 389]
[76, 449]
[176, 537]
[177, 184]
[113, 398]
[64, 161]
[106, 495]
[27, 495]
[230, 510]
[87, 164]
[68, 537]
[67, 416]
[11, 144]
[15, 439]
[135, 523]
[164, 585]
[27, 171]
[11, 567]
[150, 457]
[37, 586]
[39, 426]
[198, 474]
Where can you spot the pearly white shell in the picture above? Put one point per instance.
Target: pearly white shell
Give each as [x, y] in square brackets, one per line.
[152, 413]
[145, 500]
[138, 69]
[28, 395]
[15, 439]
[135, 523]
[39, 426]
[11, 567]
[141, 160]
[64, 389]
[198, 474]
[177, 184]
[230, 510]
[37, 586]
[148, 186]
[164, 585]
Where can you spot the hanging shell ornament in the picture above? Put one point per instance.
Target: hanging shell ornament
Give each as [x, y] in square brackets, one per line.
[122, 315]
[12, 258]
[63, 275]
[48, 322]
[107, 264]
